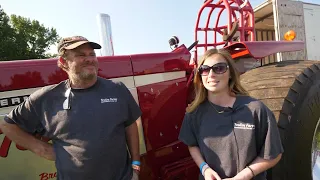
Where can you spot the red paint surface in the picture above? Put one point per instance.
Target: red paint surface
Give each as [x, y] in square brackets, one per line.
[163, 106]
[5, 146]
[260, 49]
[163, 111]
[37, 73]
[161, 62]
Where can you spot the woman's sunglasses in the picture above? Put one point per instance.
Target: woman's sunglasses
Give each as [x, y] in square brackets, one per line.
[218, 68]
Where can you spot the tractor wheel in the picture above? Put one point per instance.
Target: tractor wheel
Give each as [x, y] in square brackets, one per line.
[291, 89]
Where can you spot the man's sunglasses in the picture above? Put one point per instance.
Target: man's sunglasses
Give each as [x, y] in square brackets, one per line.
[218, 68]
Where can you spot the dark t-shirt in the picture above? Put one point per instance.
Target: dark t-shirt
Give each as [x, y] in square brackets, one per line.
[231, 140]
[87, 127]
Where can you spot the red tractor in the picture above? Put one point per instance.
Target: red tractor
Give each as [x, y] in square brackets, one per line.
[161, 83]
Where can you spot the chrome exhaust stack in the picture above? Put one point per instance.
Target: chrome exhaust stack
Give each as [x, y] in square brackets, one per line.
[105, 34]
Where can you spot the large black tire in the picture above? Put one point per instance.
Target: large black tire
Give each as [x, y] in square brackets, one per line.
[291, 89]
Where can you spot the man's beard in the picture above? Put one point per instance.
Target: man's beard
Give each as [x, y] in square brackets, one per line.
[86, 76]
[83, 76]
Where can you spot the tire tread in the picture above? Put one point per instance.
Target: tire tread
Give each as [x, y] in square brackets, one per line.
[282, 87]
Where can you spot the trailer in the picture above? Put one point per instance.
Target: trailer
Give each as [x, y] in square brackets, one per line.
[274, 18]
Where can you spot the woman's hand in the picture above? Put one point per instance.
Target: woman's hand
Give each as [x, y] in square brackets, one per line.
[245, 174]
[232, 179]
[210, 174]
[238, 177]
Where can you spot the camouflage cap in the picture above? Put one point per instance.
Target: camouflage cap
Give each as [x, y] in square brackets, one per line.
[74, 42]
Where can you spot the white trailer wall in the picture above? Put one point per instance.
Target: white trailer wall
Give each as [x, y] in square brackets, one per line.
[289, 15]
[312, 29]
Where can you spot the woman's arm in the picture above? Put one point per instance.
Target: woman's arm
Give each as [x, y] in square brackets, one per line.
[258, 166]
[196, 155]
[207, 172]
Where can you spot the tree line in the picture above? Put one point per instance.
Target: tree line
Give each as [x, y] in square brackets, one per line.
[22, 38]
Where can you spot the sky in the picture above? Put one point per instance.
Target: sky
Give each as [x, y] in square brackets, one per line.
[138, 26]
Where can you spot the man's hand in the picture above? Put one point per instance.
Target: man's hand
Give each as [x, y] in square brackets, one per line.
[135, 175]
[210, 174]
[46, 151]
[28, 141]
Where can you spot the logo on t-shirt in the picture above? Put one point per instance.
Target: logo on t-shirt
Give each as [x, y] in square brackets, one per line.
[244, 126]
[106, 100]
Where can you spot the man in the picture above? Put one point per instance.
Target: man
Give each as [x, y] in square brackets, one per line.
[90, 120]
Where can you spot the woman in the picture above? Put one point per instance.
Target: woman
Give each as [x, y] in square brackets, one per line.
[230, 135]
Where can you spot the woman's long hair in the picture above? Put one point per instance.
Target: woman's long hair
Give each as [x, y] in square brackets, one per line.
[234, 83]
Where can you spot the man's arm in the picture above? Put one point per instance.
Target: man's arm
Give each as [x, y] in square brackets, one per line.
[26, 140]
[133, 140]
[258, 166]
[131, 128]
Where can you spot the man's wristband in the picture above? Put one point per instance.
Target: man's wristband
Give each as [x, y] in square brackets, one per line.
[136, 163]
